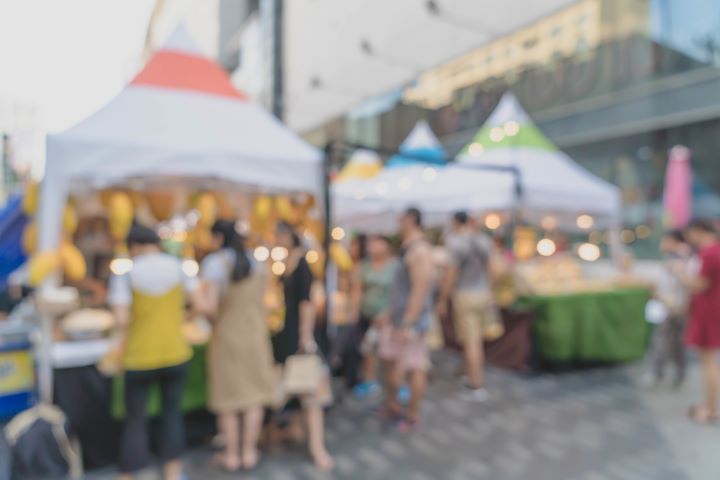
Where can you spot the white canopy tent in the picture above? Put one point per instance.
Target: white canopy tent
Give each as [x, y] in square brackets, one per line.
[179, 118]
[552, 183]
[417, 177]
[508, 152]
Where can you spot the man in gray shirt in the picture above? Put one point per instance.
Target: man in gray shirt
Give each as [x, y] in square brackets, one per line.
[467, 281]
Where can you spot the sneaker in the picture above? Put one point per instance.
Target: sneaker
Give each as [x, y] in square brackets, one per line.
[366, 390]
[476, 395]
[403, 395]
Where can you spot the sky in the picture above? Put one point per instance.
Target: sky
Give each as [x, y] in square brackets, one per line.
[680, 23]
[61, 60]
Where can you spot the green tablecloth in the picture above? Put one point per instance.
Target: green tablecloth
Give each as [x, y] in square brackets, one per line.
[194, 398]
[599, 326]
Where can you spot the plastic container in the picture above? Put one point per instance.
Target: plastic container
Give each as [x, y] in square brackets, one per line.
[17, 373]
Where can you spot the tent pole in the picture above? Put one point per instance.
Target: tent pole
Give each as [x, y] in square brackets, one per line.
[327, 170]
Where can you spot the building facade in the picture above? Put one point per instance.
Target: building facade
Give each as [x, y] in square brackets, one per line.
[614, 83]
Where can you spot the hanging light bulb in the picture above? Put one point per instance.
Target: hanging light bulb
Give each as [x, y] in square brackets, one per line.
[585, 221]
[121, 266]
[493, 221]
[511, 128]
[278, 268]
[338, 233]
[279, 254]
[261, 253]
[588, 252]
[546, 247]
[190, 267]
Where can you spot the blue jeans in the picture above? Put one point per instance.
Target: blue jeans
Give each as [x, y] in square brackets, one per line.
[135, 444]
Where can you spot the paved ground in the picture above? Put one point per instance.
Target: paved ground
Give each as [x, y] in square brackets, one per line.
[589, 425]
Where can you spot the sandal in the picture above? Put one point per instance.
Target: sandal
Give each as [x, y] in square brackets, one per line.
[323, 461]
[702, 415]
[250, 462]
[408, 425]
[220, 462]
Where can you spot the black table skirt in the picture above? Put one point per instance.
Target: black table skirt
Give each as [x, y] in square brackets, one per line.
[85, 396]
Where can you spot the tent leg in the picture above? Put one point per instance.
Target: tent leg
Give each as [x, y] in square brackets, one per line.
[327, 170]
[45, 368]
[617, 250]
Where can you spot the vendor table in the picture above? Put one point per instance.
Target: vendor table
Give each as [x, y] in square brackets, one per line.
[94, 403]
[606, 326]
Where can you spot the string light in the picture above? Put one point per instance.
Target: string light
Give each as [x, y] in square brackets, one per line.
[405, 183]
[585, 221]
[338, 233]
[546, 247]
[476, 149]
[121, 266]
[627, 236]
[429, 174]
[643, 231]
[261, 254]
[279, 254]
[278, 268]
[511, 128]
[493, 221]
[312, 256]
[497, 134]
[589, 252]
[190, 267]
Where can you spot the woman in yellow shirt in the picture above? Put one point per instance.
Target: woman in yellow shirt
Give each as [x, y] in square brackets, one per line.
[149, 302]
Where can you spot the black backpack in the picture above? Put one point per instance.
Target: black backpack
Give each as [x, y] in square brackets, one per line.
[40, 445]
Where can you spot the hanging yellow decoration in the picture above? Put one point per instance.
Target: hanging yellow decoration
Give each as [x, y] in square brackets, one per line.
[161, 204]
[202, 238]
[285, 210]
[341, 256]
[70, 220]
[41, 266]
[262, 207]
[31, 199]
[188, 250]
[105, 197]
[29, 238]
[316, 229]
[207, 207]
[121, 215]
[73, 262]
[224, 209]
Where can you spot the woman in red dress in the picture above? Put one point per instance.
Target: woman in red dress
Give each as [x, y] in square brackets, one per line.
[703, 331]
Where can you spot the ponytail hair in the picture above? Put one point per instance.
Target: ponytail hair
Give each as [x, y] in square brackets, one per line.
[233, 240]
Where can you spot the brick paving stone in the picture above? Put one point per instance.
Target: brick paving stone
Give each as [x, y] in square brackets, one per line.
[591, 425]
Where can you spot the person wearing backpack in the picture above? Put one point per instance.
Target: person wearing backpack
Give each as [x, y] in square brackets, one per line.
[149, 303]
[467, 282]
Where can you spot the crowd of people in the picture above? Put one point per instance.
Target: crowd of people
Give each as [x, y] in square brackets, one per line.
[397, 291]
[394, 297]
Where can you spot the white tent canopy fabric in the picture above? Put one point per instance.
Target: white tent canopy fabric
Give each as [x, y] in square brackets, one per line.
[339, 53]
[373, 204]
[180, 118]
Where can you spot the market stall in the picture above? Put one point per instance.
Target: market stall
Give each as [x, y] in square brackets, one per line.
[418, 176]
[511, 175]
[176, 143]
